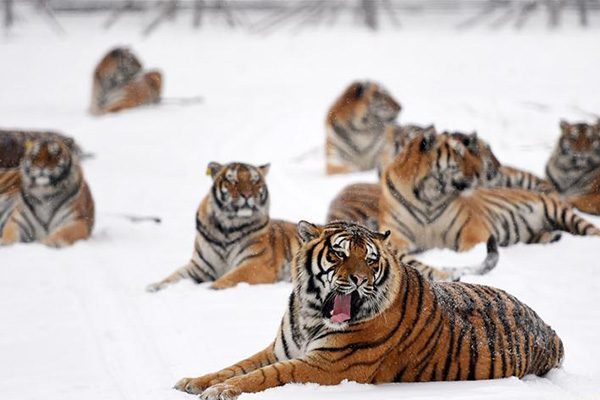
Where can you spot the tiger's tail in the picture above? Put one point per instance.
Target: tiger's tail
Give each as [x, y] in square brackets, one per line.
[453, 274]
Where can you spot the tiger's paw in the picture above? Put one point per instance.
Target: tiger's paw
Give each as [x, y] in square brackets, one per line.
[218, 285]
[55, 243]
[221, 391]
[155, 287]
[195, 385]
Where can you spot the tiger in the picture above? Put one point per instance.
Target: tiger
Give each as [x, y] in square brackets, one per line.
[574, 166]
[143, 89]
[355, 126]
[496, 174]
[13, 144]
[430, 199]
[49, 200]
[360, 202]
[358, 313]
[236, 241]
[395, 138]
[119, 82]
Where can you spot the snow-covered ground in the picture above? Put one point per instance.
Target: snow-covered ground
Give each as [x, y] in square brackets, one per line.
[77, 324]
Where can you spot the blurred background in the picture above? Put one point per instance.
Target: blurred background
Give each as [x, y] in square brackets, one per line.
[261, 16]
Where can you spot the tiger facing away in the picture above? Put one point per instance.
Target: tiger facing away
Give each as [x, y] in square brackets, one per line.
[360, 202]
[48, 200]
[119, 83]
[429, 200]
[357, 312]
[574, 167]
[355, 126]
[236, 241]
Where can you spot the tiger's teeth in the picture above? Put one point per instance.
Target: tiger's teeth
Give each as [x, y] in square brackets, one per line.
[245, 212]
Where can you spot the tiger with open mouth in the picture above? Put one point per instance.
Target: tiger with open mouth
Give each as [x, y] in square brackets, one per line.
[357, 312]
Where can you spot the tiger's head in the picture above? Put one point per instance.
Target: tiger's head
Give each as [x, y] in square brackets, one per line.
[435, 168]
[344, 273]
[481, 149]
[46, 166]
[578, 146]
[117, 68]
[239, 194]
[365, 105]
[396, 137]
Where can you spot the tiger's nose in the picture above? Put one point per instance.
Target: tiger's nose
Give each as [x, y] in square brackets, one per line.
[357, 279]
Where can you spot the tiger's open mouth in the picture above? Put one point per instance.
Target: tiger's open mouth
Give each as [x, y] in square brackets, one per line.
[340, 307]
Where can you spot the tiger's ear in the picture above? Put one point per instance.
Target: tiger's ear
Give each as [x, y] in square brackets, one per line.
[264, 169]
[383, 236]
[308, 231]
[427, 141]
[213, 169]
[430, 129]
[471, 142]
[564, 124]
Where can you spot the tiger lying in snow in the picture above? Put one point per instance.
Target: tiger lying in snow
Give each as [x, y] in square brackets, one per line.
[236, 241]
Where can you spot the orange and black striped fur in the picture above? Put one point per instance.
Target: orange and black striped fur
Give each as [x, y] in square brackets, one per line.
[495, 174]
[236, 241]
[358, 313]
[360, 202]
[430, 200]
[395, 139]
[121, 83]
[574, 167]
[46, 199]
[355, 127]
[13, 145]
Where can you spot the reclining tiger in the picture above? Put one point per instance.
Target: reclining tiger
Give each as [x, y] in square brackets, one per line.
[358, 313]
[119, 82]
[236, 241]
[46, 199]
[430, 200]
[574, 167]
[359, 202]
[355, 127]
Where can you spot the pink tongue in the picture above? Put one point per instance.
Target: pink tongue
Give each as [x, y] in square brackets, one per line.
[341, 308]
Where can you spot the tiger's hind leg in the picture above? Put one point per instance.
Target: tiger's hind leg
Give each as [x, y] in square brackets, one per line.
[561, 216]
[546, 237]
[589, 203]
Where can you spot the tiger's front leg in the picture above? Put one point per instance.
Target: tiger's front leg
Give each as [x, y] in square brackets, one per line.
[257, 270]
[68, 234]
[305, 370]
[198, 385]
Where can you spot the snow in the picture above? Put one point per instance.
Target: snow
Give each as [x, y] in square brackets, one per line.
[77, 323]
